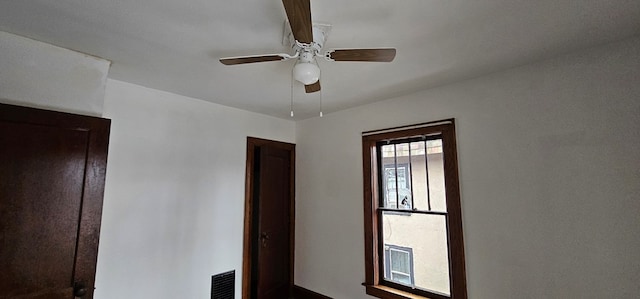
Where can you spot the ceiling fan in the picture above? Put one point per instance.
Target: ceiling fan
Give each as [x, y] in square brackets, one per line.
[307, 43]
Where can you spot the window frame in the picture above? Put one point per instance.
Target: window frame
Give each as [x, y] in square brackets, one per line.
[375, 284]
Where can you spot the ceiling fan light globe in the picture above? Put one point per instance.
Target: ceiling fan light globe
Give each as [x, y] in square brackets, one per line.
[306, 73]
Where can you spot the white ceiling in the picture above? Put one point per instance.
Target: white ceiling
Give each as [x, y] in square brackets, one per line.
[174, 45]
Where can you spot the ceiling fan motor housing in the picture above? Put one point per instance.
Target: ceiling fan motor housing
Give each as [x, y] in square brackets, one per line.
[306, 55]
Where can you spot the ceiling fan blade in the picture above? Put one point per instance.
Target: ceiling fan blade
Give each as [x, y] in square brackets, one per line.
[253, 59]
[299, 15]
[377, 55]
[312, 87]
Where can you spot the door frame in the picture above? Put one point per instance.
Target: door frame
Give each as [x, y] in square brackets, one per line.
[252, 144]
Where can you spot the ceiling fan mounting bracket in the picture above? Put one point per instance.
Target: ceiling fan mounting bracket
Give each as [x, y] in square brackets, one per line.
[320, 33]
[307, 53]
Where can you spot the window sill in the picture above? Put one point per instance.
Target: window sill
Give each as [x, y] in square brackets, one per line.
[385, 292]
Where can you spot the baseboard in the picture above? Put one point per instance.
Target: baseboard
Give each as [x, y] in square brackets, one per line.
[302, 293]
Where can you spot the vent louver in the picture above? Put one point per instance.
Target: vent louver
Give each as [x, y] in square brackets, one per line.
[223, 285]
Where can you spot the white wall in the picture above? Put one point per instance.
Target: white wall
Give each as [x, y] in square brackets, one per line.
[40, 75]
[550, 180]
[174, 198]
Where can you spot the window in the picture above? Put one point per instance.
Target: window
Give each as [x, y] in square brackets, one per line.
[397, 192]
[413, 221]
[398, 264]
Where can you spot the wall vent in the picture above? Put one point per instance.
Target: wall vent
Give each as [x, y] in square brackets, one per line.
[223, 285]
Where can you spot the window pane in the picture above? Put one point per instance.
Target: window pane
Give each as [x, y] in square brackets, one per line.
[428, 175]
[401, 278]
[389, 178]
[419, 175]
[426, 235]
[399, 261]
[435, 163]
[388, 151]
[396, 176]
[403, 172]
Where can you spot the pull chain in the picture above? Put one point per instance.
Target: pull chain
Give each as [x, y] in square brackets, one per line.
[320, 103]
[292, 82]
[320, 88]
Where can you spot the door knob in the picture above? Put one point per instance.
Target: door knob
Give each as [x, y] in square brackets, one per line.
[79, 289]
[264, 237]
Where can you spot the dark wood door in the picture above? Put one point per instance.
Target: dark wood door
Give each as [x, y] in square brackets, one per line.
[51, 187]
[273, 228]
[271, 219]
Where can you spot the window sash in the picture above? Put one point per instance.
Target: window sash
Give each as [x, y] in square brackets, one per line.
[407, 173]
[385, 249]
